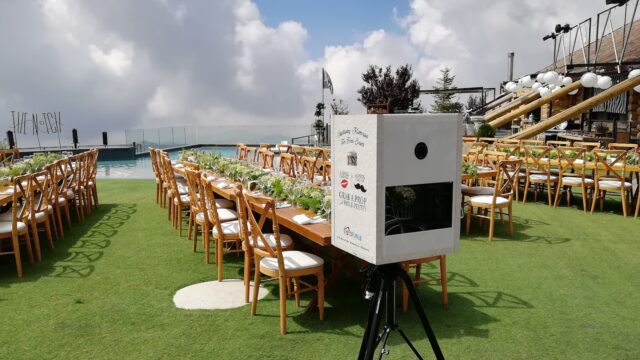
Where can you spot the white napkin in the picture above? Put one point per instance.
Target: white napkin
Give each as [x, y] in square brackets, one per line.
[7, 191]
[303, 219]
[178, 166]
[173, 162]
[223, 185]
[211, 179]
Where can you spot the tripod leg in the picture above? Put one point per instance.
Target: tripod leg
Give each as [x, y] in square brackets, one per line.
[406, 339]
[423, 317]
[369, 340]
[384, 339]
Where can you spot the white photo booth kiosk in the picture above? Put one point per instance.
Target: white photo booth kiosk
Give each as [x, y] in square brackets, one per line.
[396, 185]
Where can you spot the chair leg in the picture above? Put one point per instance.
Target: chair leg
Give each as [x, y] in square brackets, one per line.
[47, 228]
[246, 275]
[16, 254]
[36, 241]
[526, 192]
[190, 225]
[58, 212]
[27, 244]
[637, 207]
[469, 211]
[623, 198]
[321, 293]
[510, 215]
[67, 213]
[443, 281]
[492, 221]
[219, 255]
[596, 193]
[296, 284]
[256, 287]
[557, 200]
[282, 287]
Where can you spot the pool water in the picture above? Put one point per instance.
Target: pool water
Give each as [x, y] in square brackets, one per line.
[140, 168]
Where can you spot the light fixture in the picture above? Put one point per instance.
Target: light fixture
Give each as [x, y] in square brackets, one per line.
[562, 28]
[616, 2]
[589, 79]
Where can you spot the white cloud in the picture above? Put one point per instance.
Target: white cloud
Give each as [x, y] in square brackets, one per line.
[218, 62]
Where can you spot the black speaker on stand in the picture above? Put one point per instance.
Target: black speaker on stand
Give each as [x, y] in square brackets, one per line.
[105, 140]
[11, 140]
[74, 135]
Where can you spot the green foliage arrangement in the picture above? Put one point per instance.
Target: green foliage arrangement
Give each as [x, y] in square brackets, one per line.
[295, 191]
[30, 166]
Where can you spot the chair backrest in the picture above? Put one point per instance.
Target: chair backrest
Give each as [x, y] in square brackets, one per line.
[537, 158]
[288, 164]
[507, 179]
[169, 175]
[610, 164]
[283, 148]
[248, 221]
[509, 149]
[492, 158]
[556, 143]
[531, 142]
[9, 156]
[488, 140]
[38, 194]
[265, 159]
[18, 206]
[572, 160]
[193, 183]
[326, 171]
[589, 145]
[208, 204]
[154, 162]
[507, 141]
[620, 146]
[308, 170]
[240, 151]
[474, 154]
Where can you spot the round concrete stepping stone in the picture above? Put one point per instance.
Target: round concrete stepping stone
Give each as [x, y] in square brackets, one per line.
[214, 295]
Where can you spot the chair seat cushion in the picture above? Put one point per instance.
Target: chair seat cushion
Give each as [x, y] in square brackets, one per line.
[488, 200]
[228, 228]
[184, 200]
[613, 184]
[6, 227]
[224, 203]
[572, 180]
[293, 260]
[70, 194]
[62, 200]
[285, 241]
[223, 214]
[477, 190]
[542, 177]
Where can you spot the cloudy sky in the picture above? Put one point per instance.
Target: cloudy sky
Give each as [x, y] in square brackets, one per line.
[119, 64]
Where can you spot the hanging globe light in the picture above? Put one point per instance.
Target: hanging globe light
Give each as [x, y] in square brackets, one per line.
[605, 82]
[589, 79]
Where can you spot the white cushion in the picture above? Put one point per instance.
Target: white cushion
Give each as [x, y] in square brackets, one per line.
[228, 228]
[224, 203]
[62, 200]
[572, 180]
[477, 190]
[185, 199]
[613, 184]
[285, 241]
[6, 227]
[70, 194]
[182, 189]
[542, 177]
[293, 260]
[488, 199]
[223, 215]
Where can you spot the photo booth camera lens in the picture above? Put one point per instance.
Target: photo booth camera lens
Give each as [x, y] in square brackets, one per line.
[421, 150]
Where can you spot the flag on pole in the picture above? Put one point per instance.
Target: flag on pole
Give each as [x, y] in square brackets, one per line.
[326, 81]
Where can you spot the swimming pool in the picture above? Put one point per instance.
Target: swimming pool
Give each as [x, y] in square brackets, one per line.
[140, 168]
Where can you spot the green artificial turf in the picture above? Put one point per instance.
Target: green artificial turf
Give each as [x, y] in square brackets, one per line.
[564, 287]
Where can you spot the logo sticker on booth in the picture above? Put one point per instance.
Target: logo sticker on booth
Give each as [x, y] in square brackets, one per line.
[344, 183]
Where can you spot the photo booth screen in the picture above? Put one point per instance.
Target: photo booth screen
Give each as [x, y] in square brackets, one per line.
[421, 207]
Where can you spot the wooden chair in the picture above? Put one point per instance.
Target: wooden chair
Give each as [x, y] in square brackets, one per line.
[241, 151]
[507, 141]
[60, 171]
[308, 170]
[271, 260]
[9, 156]
[224, 224]
[283, 149]
[487, 140]
[288, 164]
[13, 224]
[198, 215]
[610, 176]
[588, 145]
[502, 197]
[286, 242]
[326, 171]
[265, 159]
[37, 208]
[474, 154]
[624, 147]
[538, 172]
[406, 265]
[491, 160]
[177, 195]
[556, 144]
[91, 170]
[572, 173]
[156, 174]
[56, 198]
[531, 142]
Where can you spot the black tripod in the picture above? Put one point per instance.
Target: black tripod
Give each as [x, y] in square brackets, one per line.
[381, 288]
